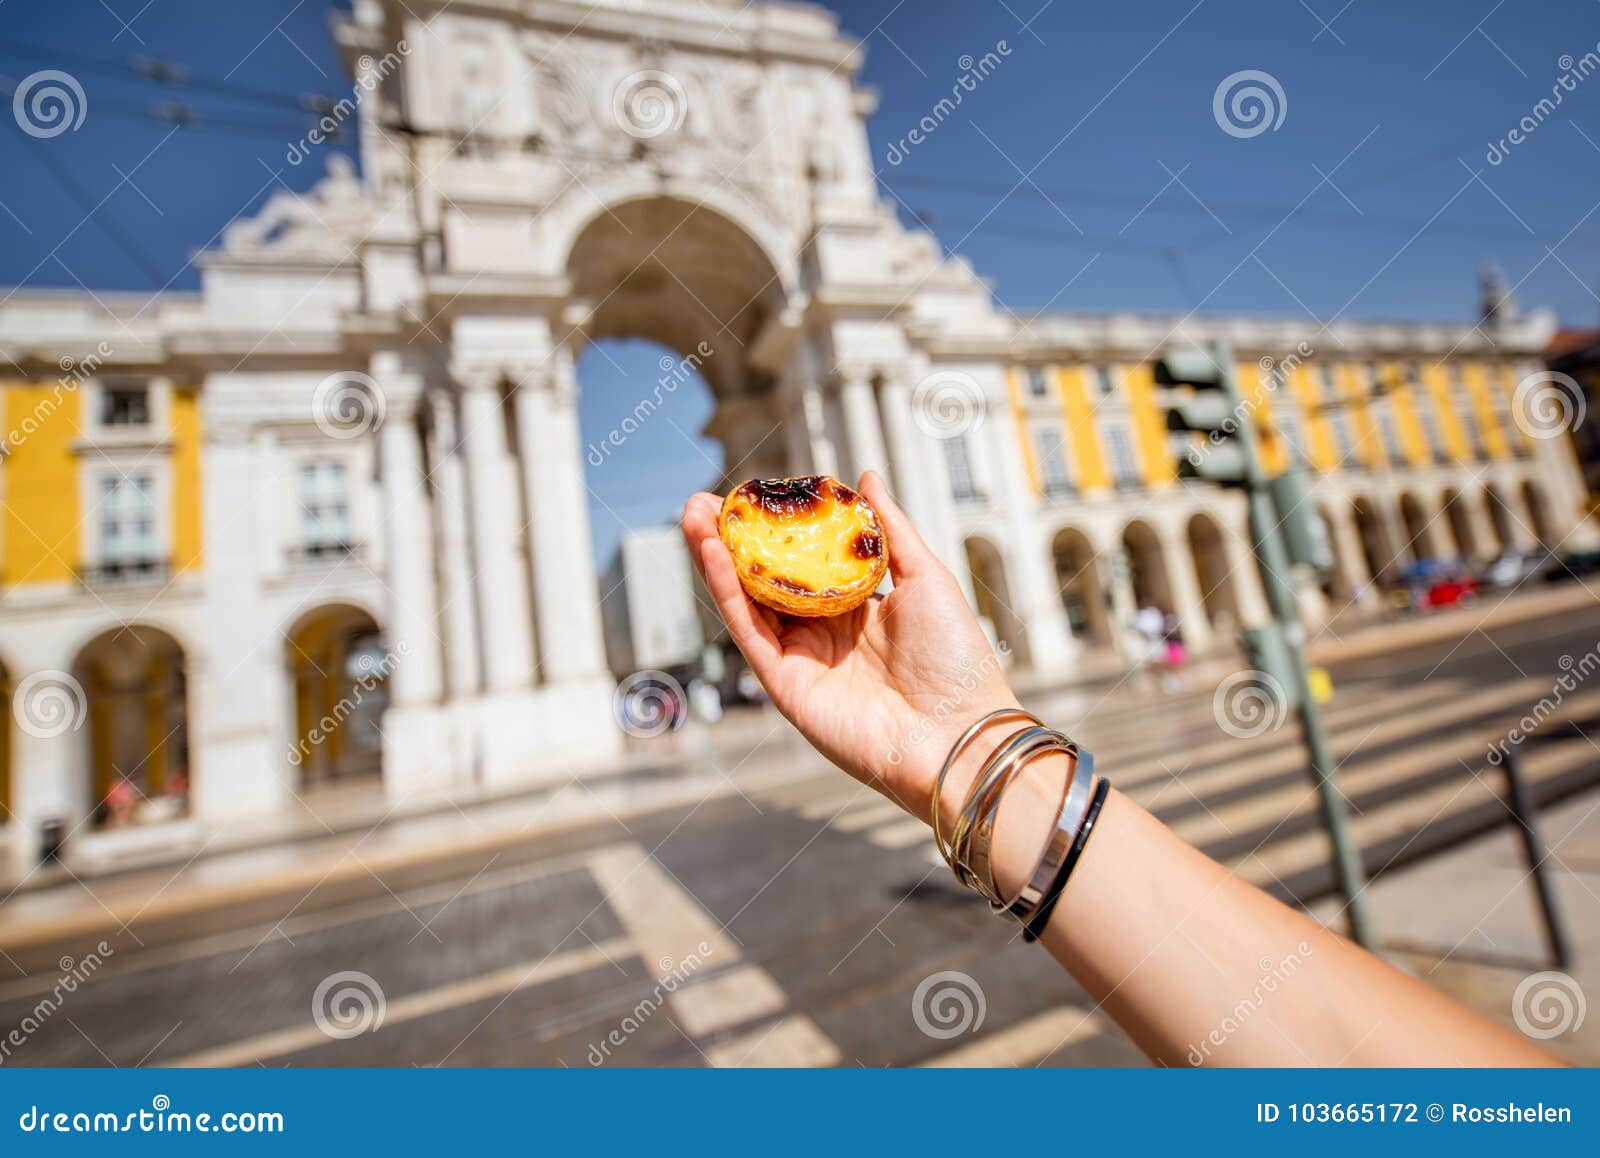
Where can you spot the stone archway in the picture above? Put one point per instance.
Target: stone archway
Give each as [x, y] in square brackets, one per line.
[1147, 569]
[1083, 595]
[1418, 531]
[992, 592]
[1374, 535]
[339, 672]
[1538, 508]
[1214, 572]
[136, 692]
[1501, 518]
[1459, 516]
[691, 279]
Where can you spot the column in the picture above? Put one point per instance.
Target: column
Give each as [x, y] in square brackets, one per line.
[1351, 556]
[923, 493]
[1184, 585]
[458, 611]
[814, 418]
[857, 398]
[408, 539]
[507, 626]
[566, 595]
[240, 721]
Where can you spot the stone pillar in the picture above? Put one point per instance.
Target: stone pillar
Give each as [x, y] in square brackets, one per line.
[858, 401]
[923, 492]
[505, 619]
[463, 669]
[566, 596]
[1183, 583]
[1351, 555]
[412, 630]
[1244, 571]
[240, 720]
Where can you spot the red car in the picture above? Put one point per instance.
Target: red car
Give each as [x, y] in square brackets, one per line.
[1449, 593]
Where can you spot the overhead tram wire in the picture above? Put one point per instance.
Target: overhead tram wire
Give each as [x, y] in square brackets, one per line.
[159, 71]
[1289, 215]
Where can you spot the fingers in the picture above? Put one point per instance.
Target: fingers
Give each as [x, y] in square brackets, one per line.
[699, 524]
[908, 554]
[751, 631]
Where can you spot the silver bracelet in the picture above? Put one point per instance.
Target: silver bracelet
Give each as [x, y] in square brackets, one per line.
[949, 762]
[976, 852]
[1074, 806]
[989, 778]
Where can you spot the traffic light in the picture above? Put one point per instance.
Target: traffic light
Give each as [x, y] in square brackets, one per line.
[1206, 405]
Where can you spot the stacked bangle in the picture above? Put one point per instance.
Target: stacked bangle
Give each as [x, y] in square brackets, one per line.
[967, 849]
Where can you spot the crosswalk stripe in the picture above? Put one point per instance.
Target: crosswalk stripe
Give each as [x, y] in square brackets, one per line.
[1283, 859]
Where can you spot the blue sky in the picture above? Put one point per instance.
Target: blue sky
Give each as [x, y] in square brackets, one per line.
[1389, 111]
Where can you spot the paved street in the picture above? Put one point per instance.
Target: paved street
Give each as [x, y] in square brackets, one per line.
[791, 921]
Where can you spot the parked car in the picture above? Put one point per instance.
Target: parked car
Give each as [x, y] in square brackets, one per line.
[1452, 592]
[1514, 567]
[1573, 565]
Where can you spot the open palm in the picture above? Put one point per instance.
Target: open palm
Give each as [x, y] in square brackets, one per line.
[883, 690]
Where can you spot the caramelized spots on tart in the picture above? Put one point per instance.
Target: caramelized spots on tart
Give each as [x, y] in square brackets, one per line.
[843, 495]
[867, 545]
[790, 586]
[785, 497]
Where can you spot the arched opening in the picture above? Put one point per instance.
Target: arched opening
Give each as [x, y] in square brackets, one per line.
[136, 694]
[670, 402]
[1214, 572]
[993, 596]
[1538, 514]
[1146, 568]
[1500, 518]
[1375, 547]
[1336, 583]
[339, 671]
[1415, 521]
[1083, 595]
[1460, 519]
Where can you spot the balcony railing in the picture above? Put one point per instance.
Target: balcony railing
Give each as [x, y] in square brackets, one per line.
[121, 573]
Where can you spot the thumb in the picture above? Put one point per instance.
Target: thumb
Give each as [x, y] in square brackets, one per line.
[909, 556]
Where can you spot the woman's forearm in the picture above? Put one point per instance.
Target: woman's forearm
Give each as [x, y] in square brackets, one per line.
[1200, 967]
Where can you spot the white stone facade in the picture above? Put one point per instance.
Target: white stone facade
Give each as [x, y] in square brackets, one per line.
[535, 176]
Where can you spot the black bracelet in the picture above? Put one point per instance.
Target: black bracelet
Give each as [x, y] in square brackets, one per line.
[1047, 904]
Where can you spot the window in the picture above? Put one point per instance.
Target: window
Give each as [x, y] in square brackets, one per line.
[1430, 429]
[1038, 382]
[124, 406]
[1124, 467]
[1054, 469]
[325, 508]
[1389, 435]
[127, 514]
[1287, 421]
[1337, 412]
[962, 484]
[1105, 380]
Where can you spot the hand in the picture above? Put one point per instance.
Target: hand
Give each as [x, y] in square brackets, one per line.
[882, 691]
